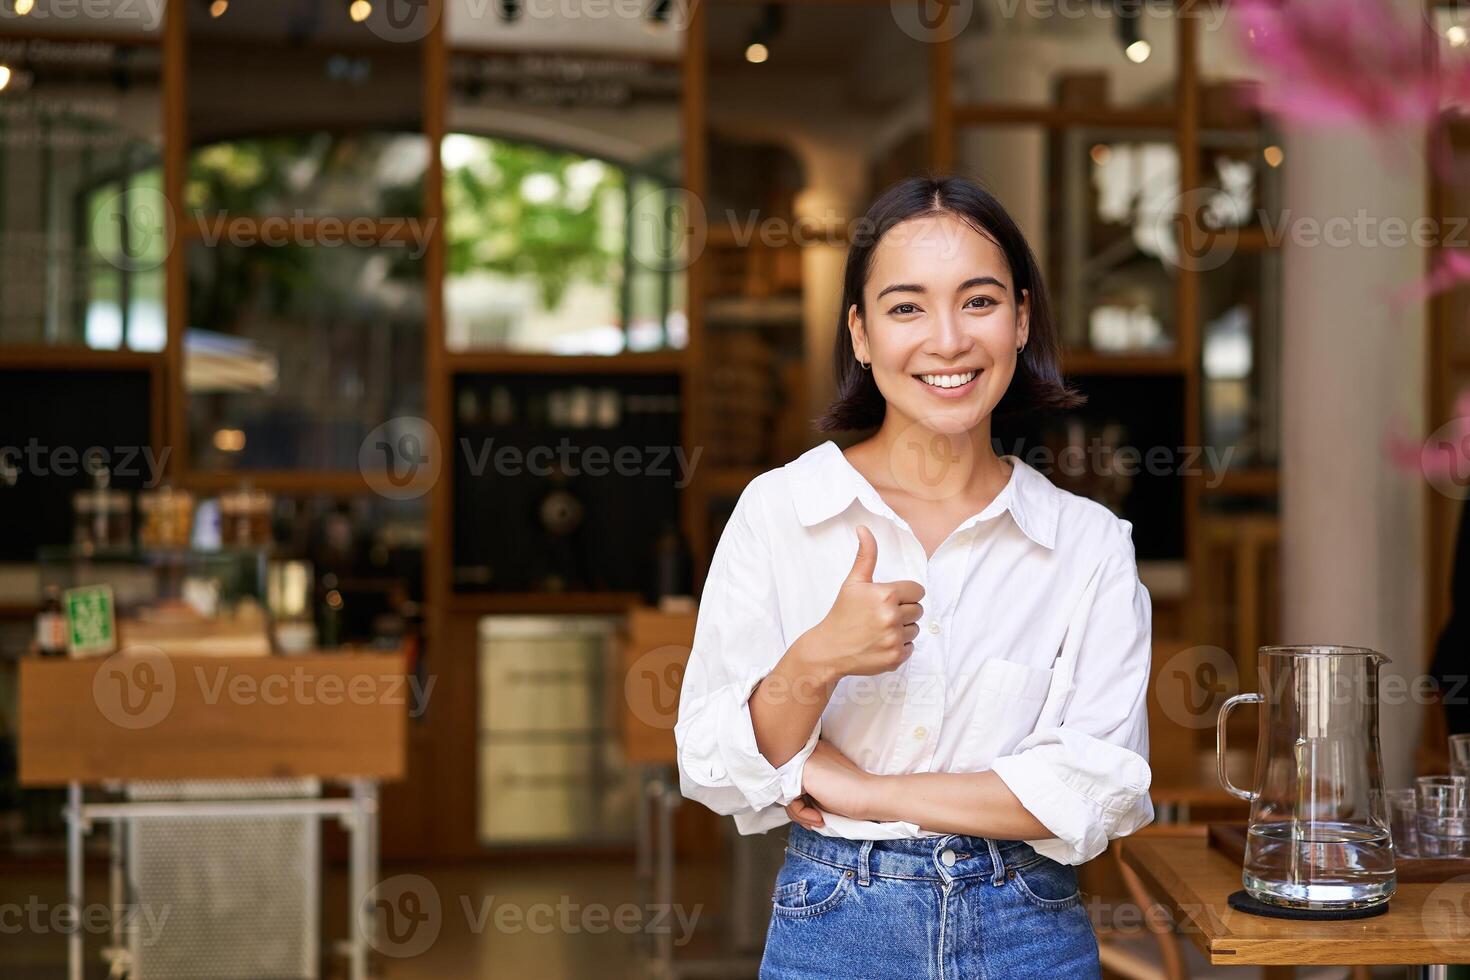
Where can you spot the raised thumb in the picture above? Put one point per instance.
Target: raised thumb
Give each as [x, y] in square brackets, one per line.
[867, 557]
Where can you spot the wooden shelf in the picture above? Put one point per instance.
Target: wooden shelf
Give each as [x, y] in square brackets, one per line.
[67, 357]
[1245, 483]
[1056, 117]
[277, 481]
[503, 362]
[534, 603]
[1075, 362]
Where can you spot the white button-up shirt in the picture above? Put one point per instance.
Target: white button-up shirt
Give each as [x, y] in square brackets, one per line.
[1032, 659]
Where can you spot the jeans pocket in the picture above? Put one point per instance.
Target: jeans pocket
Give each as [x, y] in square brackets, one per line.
[1047, 884]
[805, 887]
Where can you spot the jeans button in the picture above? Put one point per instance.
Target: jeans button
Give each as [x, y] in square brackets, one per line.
[947, 857]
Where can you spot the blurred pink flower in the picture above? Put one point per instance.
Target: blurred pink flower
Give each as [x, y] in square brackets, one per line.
[1445, 454]
[1357, 62]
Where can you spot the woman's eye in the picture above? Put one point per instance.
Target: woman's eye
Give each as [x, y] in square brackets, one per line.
[980, 302]
[903, 309]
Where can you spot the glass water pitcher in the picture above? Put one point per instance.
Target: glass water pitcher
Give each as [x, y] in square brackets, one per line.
[1318, 836]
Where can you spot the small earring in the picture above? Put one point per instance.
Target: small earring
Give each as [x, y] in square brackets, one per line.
[866, 365]
[1021, 348]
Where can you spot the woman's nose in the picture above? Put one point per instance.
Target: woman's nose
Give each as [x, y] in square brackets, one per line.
[948, 339]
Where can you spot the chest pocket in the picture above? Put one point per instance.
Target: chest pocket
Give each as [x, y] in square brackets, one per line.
[1007, 701]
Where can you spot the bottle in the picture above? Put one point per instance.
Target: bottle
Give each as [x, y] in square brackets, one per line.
[51, 625]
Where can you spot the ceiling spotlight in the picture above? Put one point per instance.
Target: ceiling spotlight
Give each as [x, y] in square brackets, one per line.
[757, 47]
[217, 8]
[1273, 155]
[1457, 35]
[359, 11]
[23, 7]
[4, 77]
[1135, 48]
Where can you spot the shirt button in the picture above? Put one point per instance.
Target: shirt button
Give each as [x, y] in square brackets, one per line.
[921, 733]
[934, 627]
[947, 857]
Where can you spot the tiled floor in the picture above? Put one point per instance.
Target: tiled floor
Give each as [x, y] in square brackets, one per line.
[522, 920]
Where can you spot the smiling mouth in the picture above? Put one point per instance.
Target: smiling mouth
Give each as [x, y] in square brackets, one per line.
[956, 380]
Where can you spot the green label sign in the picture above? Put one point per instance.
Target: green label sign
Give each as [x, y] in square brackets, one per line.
[91, 626]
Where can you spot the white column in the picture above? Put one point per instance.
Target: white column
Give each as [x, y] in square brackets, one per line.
[1353, 550]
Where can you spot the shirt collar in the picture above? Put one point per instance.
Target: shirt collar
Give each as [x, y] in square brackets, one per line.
[824, 484]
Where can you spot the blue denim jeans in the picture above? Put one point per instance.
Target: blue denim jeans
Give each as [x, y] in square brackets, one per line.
[932, 908]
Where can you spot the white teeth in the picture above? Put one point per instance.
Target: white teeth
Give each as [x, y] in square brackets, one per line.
[947, 380]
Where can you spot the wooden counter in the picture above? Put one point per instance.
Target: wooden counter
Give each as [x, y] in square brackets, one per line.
[1425, 924]
[144, 717]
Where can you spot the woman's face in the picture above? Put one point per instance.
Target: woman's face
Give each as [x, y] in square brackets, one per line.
[942, 324]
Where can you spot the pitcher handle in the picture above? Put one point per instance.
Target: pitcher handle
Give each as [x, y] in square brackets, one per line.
[1231, 788]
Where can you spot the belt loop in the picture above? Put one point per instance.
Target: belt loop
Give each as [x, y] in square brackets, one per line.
[997, 864]
[862, 868]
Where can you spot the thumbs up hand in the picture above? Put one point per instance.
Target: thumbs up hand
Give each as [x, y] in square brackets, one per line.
[871, 626]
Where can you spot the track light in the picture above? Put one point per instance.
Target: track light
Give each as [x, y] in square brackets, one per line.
[359, 10]
[1135, 48]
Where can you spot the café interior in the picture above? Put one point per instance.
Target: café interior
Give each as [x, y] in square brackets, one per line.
[376, 379]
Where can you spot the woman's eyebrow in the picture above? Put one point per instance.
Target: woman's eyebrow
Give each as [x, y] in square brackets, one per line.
[909, 287]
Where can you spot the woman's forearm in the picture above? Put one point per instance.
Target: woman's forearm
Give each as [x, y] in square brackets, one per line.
[975, 803]
[785, 705]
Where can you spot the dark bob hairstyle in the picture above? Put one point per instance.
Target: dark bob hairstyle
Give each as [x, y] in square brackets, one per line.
[1037, 385]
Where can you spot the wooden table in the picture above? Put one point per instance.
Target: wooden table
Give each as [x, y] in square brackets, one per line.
[1426, 925]
[151, 716]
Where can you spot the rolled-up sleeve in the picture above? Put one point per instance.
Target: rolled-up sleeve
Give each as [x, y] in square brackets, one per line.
[738, 639]
[1085, 775]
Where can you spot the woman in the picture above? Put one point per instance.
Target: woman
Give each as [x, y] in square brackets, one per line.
[926, 656]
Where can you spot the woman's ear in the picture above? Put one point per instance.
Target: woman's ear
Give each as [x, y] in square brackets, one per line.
[859, 335]
[1023, 319]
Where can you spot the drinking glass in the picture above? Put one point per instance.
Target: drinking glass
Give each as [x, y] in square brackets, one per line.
[1460, 755]
[1445, 834]
[1438, 794]
[1402, 807]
